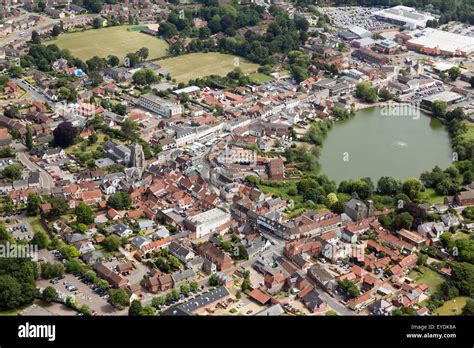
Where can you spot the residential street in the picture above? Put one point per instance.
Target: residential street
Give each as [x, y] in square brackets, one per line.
[46, 181]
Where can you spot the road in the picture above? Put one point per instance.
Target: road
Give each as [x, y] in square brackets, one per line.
[46, 181]
[332, 302]
[44, 22]
[32, 90]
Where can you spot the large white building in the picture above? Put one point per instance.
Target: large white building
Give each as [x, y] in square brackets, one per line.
[404, 16]
[211, 221]
[438, 42]
[160, 106]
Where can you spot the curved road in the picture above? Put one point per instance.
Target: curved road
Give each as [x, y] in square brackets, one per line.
[46, 181]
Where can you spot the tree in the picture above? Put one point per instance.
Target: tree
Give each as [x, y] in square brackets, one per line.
[41, 239]
[15, 71]
[56, 30]
[403, 220]
[113, 60]
[349, 288]
[33, 205]
[49, 294]
[148, 311]
[469, 308]
[412, 187]
[84, 214]
[97, 23]
[94, 6]
[86, 310]
[388, 185]
[135, 308]
[145, 76]
[439, 108]
[111, 243]
[471, 81]
[194, 286]
[129, 129]
[13, 171]
[69, 252]
[93, 138]
[10, 292]
[449, 291]
[35, 38]
[59, 206]
[213, 280]
[131, 59]
[64, 134]
[245, 285]
[158, 302]
[17, 282]
[51, 270]
[184, 289]
[119, 200]
[365, 92]
[167, 30]
[385, 94]
[29, 138]
[96, 64]
[7, 204]
[102, 284]
[41, 6]
[454, 73]
[118, 297]
[143, 53]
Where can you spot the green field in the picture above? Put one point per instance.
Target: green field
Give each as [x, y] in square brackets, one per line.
[429, 277]
[259, 78]
[452, 307]
[196, 65]
[430, 196]
[116, 41]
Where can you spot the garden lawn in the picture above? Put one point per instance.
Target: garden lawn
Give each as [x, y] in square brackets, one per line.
[259, 78]
[103, 42]
[430, 196]
[470, 130]
[196, 65]
[452, 307]
[429, 277]
[460, 235]
[281, 191]
[36, 224]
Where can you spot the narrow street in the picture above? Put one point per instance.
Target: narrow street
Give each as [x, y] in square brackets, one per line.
[46, 181]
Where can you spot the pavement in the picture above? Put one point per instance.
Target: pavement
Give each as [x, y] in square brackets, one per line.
[32, 90]
[46, 181]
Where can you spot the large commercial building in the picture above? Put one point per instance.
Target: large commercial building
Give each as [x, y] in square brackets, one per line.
[446, 96]
[159, 105]
[437, 42]
[404, 16]
[211, 221]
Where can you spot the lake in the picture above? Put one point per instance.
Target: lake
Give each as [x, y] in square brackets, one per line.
[374, 145]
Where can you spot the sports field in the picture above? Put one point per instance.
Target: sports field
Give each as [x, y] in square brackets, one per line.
[116, 41]
[196, 65]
